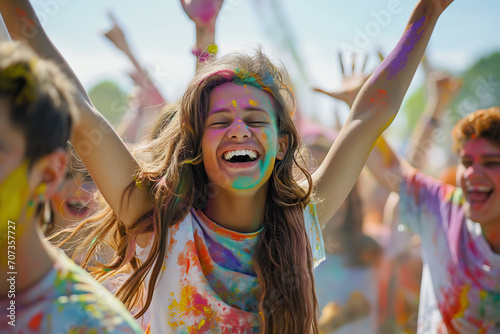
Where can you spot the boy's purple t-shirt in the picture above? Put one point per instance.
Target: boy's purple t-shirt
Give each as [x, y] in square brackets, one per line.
[460, 290]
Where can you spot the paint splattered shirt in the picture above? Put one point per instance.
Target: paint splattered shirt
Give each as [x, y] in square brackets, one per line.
[460, 290]
[208, 284]
[67, 300]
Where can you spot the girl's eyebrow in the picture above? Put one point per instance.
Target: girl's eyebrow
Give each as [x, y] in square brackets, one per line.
[252, 108]
[247, 109]
[218, 110]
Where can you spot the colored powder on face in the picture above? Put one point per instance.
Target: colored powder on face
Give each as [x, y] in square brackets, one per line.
[253, 103]
[14, 194]
[233, 102]
[245, 182]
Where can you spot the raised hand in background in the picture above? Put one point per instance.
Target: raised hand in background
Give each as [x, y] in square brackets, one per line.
[351, 83]
[204, 14]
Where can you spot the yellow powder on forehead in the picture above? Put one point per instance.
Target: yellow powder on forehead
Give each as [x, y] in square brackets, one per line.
[234, 103]
[253, 103]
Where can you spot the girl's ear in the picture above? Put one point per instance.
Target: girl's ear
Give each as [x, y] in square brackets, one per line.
[282, 147]
[50, 170]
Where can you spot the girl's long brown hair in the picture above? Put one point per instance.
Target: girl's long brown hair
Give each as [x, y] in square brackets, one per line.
[177, 179]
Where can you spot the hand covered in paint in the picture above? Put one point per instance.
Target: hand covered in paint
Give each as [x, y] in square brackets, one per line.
[351, 84]
[202, 12]
[117, 36]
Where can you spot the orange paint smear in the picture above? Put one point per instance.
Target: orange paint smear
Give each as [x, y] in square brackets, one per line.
[184, 259]
[36, 321]
[173, 239]
[203, 254]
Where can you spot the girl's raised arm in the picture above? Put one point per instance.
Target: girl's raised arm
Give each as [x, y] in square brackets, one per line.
[374, 109]
[106, 157]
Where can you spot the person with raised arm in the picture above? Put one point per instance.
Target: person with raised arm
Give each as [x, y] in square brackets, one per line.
[41, 289]
[398, 279]
[231, 236]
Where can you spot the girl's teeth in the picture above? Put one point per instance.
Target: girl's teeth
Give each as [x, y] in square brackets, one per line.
[252, 154]
[479, 189]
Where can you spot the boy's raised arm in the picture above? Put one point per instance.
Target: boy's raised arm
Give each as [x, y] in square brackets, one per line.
[106, 157]
[374, 108]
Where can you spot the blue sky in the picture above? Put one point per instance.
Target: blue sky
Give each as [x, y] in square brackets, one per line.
[162, 36]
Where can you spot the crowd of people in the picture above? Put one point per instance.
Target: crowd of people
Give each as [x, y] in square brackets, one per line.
[228, 211]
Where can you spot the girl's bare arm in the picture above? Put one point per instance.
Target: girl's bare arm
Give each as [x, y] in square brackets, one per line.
[106, 157]
[374, 108]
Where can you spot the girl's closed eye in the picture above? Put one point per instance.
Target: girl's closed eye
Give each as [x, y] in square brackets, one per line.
[220, 123]
[466, 163]
[491, 163]
[257, 123]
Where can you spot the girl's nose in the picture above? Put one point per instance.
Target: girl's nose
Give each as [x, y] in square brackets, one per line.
[474, 169]
[238, 130]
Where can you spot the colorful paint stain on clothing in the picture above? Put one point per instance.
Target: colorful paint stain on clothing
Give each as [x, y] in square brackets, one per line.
[461, 281]
[219, 292]
[68, 300]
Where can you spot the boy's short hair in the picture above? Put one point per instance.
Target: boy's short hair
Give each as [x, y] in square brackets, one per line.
[40, 99]
[484, 123]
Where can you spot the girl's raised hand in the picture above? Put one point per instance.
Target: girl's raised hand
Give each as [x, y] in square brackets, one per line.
[117, 36]
[351, 83]
[445, 87]
[202, 12]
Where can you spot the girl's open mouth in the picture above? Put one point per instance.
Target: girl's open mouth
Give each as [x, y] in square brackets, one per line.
[240, 156]
[479, 194]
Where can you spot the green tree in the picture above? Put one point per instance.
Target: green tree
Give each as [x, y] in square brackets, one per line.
[110, 100]
[481, 90]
